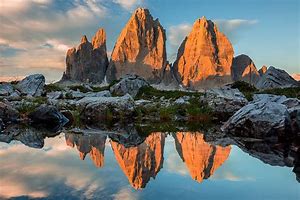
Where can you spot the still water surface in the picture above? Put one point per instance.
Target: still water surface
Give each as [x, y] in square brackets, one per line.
[178, 165]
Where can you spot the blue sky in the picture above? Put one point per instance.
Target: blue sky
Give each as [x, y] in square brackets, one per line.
[35, 34]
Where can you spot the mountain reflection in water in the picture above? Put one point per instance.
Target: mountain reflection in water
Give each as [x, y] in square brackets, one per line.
[122, 165]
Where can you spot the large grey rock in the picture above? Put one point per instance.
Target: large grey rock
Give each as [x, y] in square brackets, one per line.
[267, 116]
[225, 100]
[129, 84]
[48, 116]
[8, 113]
[276, 78]
[6, 89]
[109, 108]
[32, 85]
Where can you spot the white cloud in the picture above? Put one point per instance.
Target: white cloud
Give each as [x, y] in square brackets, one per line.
[177, 33]
[129, 4]
[230, 25]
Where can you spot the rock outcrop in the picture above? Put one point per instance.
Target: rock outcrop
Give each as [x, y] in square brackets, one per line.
[6, 89]
[205, 56]
[140, 49]
[109, 108]
[201, 158]
[142, 162]
[169, 77]
[262, 70]
[32, 85]
[88, 63]
[48, 116]
[243, 69]
[276, 78]
[224, 100]
[267, 117]
[129, 84]
[93, 144]
[8, 113]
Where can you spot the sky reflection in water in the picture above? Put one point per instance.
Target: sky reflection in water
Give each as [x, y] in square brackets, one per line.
[180, 171]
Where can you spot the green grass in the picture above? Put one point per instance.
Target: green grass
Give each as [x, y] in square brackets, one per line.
[147, 92]
[81, 88]
[288, 92]
[52, 88]
[245, 88]
[99, 89]
[30, 105]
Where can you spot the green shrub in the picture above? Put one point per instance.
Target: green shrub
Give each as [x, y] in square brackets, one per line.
[245, 88]
[293, 92]
[52, 87]
[81, 88]
[147, 92]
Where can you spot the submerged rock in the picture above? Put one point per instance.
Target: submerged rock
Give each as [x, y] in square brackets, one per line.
[48, 116]
[8, 113]
[32, 85]
[276, 78]
[129, 84]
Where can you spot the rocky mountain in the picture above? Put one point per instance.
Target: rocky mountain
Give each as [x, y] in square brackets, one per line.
[262, 70]
[204, 56]
[201, 158]
[276, 78]
[88, 63]
[243, 69]
[141, 162]
[88, 144]
[140, 49]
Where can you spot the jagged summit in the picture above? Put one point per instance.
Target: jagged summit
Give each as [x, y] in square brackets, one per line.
[87, 63]
[204, 54]
[140, 49]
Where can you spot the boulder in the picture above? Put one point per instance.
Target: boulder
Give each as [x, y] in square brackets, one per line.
[205, 56]
[140, 49]
[109, 108]
[8, 113]
[49, 116]
[6, 89]
[225, 100]
[243, 69]
[88, 63]
[32, 85]
[266, 117]
[129, 84]
[276, 78]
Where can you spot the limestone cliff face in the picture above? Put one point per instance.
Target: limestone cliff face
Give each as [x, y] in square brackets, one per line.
[201, 158]
[243, 69]
[88, 144]
[88, 63]
[140, 49]
[262, 70]
[205, 54]
[142, 162]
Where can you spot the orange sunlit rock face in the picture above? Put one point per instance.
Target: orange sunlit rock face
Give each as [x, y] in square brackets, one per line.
[89, 144]
[142, 162]
[140, 48]
[204, 54]
[201, 158]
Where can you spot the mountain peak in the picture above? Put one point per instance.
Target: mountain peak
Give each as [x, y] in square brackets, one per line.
[84, 39]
